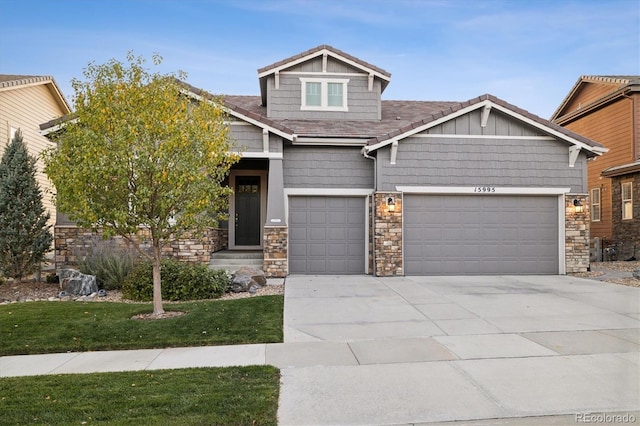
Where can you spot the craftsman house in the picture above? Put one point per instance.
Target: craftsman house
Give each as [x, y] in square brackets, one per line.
[26, 101]
[607, 108]
[335, 180]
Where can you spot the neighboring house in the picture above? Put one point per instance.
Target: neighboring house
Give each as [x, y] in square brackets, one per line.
[607, 108]
[26, 101]
[335, 180]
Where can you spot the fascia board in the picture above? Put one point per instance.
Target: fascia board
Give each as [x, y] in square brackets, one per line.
[320, 53]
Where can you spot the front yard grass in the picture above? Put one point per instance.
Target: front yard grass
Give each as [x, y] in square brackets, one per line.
[49, 327]
[200, 396]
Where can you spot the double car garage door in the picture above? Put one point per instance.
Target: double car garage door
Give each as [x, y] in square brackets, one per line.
[442, 235]
[478, 234]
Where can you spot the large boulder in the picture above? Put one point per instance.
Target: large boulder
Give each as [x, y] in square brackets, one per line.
[75, 283]
[247, 279]
[636, 274]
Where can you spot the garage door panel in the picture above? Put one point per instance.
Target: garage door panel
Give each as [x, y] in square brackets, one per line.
[332, 230]
[316, 234]
[493, 234]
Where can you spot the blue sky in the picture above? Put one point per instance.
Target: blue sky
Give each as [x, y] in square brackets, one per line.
[527, 52]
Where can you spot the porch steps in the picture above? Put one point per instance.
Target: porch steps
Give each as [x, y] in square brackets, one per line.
[231, 261]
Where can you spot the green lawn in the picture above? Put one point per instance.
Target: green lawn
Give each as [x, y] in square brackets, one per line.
[49, 327]
[207, 396]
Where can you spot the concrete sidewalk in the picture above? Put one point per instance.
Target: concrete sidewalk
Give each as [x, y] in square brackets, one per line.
[482, 350]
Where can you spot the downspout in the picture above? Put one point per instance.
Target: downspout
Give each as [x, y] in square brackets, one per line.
[363, 151]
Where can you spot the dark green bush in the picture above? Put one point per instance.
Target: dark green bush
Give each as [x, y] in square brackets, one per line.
[180, 282]
[109, 262]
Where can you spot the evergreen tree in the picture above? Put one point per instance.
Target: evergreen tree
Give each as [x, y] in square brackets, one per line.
[25, 236]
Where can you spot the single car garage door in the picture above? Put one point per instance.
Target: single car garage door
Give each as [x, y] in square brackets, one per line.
[483, 234]
[327, 235]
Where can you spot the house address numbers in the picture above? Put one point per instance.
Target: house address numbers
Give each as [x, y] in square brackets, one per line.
[484, 189]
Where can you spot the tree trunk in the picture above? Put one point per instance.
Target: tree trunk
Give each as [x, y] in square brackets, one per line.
[157, 288]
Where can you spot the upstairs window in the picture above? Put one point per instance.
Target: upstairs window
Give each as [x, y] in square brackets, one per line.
[324, 94]
[595, 205]
[627, 200]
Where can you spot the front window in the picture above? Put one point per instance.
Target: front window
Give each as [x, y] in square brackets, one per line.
[313, 94]
[324, 94]
[595, 205]
[334, 94]
[627, 200]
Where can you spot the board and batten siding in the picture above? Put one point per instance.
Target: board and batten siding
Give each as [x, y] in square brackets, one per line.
[498, 124]
[326, 167]
[285, 102]
[26, 108]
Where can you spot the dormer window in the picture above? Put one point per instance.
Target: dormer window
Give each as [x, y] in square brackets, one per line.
[326, 94]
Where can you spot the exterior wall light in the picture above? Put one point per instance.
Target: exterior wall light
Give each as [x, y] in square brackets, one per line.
[391, 204]
[577, 204]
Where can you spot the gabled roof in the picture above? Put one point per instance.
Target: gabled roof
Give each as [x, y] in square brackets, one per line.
[591, 147]
[12, 81]
[620, 84]
[321, 50]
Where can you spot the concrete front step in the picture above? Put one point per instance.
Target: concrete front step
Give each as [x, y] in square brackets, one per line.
[234, 260]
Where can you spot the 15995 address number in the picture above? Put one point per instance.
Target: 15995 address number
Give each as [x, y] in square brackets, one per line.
[485, 189]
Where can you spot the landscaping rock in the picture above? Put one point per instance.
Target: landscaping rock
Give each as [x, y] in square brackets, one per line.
[636, 274]
[247, 279]
[75, 283]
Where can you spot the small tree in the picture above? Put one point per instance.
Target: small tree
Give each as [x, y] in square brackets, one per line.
[140, 153]
[25, 236]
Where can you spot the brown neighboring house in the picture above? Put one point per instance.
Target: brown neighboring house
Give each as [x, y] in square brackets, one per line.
[26, 101]
[607, 109]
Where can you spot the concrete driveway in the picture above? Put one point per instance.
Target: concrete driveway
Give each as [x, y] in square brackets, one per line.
[413, 350]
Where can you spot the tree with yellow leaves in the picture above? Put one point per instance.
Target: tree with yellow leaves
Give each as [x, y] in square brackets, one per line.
[141, 154]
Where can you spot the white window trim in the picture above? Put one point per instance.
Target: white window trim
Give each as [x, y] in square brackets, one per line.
[324, 97]
[593, 204]
[626, 200]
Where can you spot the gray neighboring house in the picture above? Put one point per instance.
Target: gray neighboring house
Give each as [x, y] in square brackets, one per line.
[335, 180]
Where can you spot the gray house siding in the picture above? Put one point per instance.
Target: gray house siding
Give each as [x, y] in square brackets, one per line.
[246, 137]
[480, 162]
[326, 167]
[285, 102]
[498, 124]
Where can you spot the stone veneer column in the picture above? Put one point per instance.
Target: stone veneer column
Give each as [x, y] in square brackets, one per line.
[275, 251]
[388, 235]
[576, 234]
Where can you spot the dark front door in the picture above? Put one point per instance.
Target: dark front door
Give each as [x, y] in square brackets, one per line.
[247, 210]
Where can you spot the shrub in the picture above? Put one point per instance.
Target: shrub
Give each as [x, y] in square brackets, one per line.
[109, 262]
[180, 281]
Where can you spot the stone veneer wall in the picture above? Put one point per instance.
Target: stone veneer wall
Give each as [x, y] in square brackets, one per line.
[388, 235]
[576, 234]
[626, 233]
[275, 263]
[72, 243]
